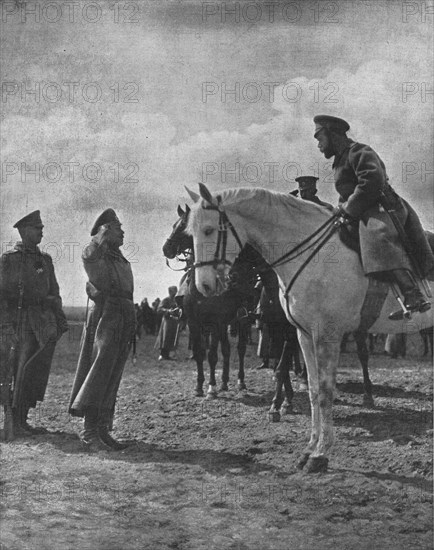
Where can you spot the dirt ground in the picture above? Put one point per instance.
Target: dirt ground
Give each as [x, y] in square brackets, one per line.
[217, 474]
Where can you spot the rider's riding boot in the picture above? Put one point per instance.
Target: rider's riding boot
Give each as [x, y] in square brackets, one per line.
[414, 300]
[104, 433]
[90, 437]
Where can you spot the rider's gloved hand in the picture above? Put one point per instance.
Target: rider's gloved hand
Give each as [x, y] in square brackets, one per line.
[343, 217]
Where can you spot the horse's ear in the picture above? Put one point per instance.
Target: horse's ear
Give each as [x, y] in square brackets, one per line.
[187, 209]
[180, 211]
[194, 196]
[205, 194]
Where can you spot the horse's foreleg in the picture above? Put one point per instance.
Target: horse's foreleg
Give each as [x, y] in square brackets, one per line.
[242, 347]
[212, 360]
[226, 353]
[307, 346]
[327, 357]
[363, 355]
[282, 378]
[197, 346]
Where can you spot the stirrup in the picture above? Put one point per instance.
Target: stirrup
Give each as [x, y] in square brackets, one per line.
[405, 312]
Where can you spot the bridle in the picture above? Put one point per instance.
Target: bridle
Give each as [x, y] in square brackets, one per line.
[219, 260]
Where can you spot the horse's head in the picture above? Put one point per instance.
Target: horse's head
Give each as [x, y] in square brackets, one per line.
[216, 243]
[179, 241]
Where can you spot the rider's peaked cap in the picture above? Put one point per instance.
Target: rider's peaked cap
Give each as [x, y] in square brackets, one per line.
[107, 216]
[30, 220]
[332, 123]
[306, 182]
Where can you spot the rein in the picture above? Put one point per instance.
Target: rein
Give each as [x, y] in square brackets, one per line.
[186, 268]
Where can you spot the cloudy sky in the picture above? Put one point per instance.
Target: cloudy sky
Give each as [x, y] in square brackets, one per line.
[121, 104]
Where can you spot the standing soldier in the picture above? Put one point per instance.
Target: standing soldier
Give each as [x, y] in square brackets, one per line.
[307, 189]
[107, 336]
[371, 207]
[166, 339]
[32, 320]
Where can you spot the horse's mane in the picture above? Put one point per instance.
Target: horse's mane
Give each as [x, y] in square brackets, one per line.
[255, 200]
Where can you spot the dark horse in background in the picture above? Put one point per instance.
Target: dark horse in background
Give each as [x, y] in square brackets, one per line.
[213, 314]
[209, 318]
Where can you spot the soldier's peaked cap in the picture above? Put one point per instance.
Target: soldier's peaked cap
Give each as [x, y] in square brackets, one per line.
[306, 182]
[332, 123]
[31, 220]
[108, 216]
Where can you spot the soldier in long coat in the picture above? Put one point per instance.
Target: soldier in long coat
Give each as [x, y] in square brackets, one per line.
[365, 197]
[166, 339]
[27, 278]
[108, 334]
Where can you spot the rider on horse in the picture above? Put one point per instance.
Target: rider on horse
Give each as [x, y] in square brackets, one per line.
[368, 202]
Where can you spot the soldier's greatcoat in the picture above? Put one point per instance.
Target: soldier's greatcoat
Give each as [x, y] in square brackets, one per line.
[109, 330]
[360, 178]
[166, 339]
[42, 320]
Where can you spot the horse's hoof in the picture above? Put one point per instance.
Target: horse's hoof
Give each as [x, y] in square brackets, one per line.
[368, 402]
[224, 387]
[199, 392]
[317, 464]
[211, 395]
[303, 461]
[242, 386]
[274, 416]
[287, 409]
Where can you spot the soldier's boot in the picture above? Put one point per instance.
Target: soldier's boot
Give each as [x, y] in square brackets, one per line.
[26, 426]
[17, 419]
[414, 300]
[89, 437]
[104, 423]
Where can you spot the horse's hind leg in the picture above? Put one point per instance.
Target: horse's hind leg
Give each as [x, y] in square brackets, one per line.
[242, 347]
[363, 355]
[226, 353]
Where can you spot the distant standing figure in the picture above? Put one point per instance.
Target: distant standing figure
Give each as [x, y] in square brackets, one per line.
[396, 344]
[139, 320]
[148, 317]
[27, 276]
[157, 315]
[107, 336]
[166, 339]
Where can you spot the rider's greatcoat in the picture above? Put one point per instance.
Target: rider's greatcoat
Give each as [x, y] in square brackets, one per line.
[360, 179]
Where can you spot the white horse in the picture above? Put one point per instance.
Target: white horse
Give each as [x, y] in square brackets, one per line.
[324, 299]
